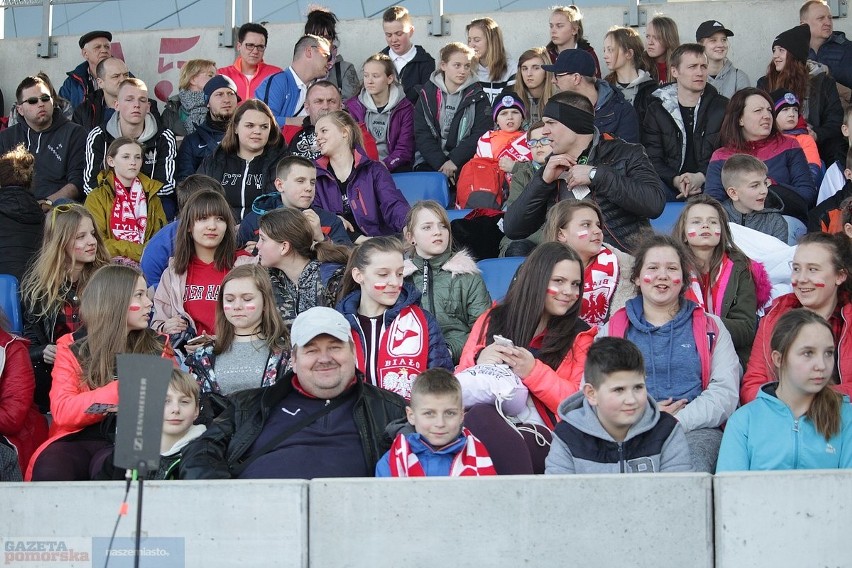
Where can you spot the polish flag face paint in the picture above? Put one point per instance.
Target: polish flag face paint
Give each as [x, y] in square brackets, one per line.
[676, 280]
[134, 308]
[647, 279]
[692, 233]
[227, 307]
[552, 291]
[380, 286]
[819, 284]
[717, 232]
[250, 307]
[584, 234]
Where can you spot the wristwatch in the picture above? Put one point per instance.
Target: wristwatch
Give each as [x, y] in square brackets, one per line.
[592, 173]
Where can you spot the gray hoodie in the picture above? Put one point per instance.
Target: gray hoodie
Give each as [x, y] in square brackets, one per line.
[656, 443]
[768, 220]
[377, 122]
[632, 88]
[729, 80]
[450, 103]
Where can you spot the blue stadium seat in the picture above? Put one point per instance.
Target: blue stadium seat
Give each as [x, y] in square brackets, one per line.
[454, 214]
[665, 222]
[10, 303]
[416, 186]
[498, 274]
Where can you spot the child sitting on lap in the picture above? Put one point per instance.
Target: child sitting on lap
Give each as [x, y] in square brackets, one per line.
[440, 445]
[613, 426]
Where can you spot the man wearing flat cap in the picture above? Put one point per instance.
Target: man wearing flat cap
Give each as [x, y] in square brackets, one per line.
[589, 165]
[574, 71]
[82, 80]
[318, 420]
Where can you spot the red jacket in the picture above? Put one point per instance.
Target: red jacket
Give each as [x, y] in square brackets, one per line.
[20, 421]
[245, 88]
[547, 387]
[760, 368]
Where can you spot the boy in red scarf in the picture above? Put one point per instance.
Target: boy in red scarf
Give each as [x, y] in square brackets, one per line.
[440, 445]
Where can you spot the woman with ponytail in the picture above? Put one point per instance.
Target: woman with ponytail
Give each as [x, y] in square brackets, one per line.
[797, 422]
[305, 273]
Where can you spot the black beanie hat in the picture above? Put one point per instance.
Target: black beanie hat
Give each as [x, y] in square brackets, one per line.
[796, 41]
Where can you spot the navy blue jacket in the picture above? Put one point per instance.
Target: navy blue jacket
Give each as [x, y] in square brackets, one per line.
[195, 147]
[331, 224]
[614, 115]
[836, 53]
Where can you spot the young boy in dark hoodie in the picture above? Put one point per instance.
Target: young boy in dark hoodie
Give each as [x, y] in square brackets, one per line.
[612, 425]
[452, 112]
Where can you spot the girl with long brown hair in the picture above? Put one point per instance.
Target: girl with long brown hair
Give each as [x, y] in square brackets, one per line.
[83, 399]
[801, 402]
[534, 86]
[496, 69]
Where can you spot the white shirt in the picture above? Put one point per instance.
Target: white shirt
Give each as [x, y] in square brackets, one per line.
[303, 90]
[400, 61]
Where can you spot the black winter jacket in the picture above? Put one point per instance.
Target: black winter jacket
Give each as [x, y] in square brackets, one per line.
[195, 147]
[21, 225]
[663, 136]
[626, 188]
[461, 143]
[226, 441]
[243, 181]
[416, 72]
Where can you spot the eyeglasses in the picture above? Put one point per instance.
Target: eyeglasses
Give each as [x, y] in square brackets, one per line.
[561, 74]
[539, 142]
[35, 100]
[254, 46]
[326, 55]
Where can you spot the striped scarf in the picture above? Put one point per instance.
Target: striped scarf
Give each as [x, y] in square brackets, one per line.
[472, 460]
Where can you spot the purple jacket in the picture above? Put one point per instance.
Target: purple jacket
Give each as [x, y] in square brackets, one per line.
[400, 133]
[377, 204]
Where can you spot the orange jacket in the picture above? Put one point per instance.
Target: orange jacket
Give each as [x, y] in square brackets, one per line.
[245, 88]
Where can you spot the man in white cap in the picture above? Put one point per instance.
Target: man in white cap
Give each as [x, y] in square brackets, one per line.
[319, 419]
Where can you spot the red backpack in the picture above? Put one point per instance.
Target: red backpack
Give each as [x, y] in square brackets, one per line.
[480, 185]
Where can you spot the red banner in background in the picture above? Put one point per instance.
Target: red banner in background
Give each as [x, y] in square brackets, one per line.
[170, 61]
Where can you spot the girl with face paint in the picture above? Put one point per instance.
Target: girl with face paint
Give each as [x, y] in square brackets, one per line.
[252, 343]
[690, 363]
[84, 397]
[540, 315]
[395, 339]
[819, 274]
[725, 282]
[606, 270]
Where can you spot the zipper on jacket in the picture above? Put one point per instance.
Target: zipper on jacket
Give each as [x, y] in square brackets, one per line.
[621, 457]
[243, 190]
[796, 443]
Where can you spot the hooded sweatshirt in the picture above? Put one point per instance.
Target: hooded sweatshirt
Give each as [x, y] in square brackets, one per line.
[655, 443]
[729, 80]
[392, 127]
[159, 149]
[58, 152]
[768, 220]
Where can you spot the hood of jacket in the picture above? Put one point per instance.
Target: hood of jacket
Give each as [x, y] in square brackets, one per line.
[408, 295]
[194, 432]
[576, 411]
[20, 205]
[24, 132]
[641, 79]
[148, 133]
[459, 263]
[437, 78]
[605, 93]
[266, 202]
[397, 93]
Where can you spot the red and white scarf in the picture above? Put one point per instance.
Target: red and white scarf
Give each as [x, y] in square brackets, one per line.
[599, 281]
[129, 213]
[471, 460]
[710, 294]
[402, 353]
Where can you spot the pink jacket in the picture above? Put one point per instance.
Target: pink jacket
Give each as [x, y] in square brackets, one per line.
[245, 88]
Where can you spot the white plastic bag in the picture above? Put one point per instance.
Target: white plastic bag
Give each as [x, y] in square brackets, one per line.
[493, 384]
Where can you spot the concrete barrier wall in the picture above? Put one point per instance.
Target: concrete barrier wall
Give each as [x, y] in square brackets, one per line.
[187, 523]
[590, 521]
[798, 518]
[695, 520]
[157, 56]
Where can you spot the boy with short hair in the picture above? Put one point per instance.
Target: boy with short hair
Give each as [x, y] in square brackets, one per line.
[539, 146]
[744, 179]
[828, 215]
[440, 445]
[413, 64]
[182, 406]
[295, 182]
[612, 425]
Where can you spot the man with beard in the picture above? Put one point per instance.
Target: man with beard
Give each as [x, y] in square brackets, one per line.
[220, 94]
[57, 144]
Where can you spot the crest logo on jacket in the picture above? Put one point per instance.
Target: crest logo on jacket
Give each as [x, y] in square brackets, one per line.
[406, 336]
[150, 157]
